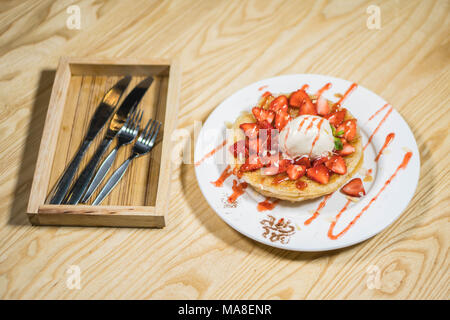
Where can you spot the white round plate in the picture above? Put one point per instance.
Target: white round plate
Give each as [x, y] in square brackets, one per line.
[382, 205]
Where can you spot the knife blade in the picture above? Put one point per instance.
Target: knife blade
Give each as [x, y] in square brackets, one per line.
[117, 121]
[98, 120]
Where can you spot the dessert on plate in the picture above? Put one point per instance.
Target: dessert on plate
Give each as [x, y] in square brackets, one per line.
[296, 146]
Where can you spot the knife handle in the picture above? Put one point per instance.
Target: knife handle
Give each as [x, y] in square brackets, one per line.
[85, 177]
[101, 173]
[60, 191]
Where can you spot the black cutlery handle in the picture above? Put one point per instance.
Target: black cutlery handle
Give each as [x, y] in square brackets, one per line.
[85, 177]
[66, 179]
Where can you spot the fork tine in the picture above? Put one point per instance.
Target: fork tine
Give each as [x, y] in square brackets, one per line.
[138, 121]
[133, 109]
[153, 138]
[150, 131]
[143, 133]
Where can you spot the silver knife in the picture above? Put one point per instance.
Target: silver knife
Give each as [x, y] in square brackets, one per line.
[101, 116]
[115, 125]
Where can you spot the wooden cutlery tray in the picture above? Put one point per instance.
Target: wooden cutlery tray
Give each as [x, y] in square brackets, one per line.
[141, 198]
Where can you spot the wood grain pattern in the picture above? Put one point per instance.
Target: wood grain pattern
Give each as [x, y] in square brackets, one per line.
[223, 46]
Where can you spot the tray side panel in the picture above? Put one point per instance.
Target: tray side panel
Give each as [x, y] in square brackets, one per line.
[48, 144]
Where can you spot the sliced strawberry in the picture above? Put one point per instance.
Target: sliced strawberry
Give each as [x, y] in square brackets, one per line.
[263, 115]
[295, 171]
[283, 164]
[320, 160]
[354, 188]
[349, 128]
[304, 161]
[319, 174]
[250, 129]
[299, 98]
[301, 185]
[336, 118]
[239, 148]
[307, 108]
[252, 163]
[280, 103]
[347, 149]
[281, 120]
[337, 165]
[322, 106]
[266, 94]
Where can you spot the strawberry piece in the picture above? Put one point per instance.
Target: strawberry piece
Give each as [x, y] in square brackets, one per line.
[307, 108]
[283, 164]
[281, 120]
[354, 188]
[336, 118]
[239, 148]
[337, 165]
[280, 103]
[295, 171]
[300, 99]
[319, 174]
[304, 161]
[252, 163]
[250, 129]
[319, 161]
[301, 185]
[347, 149]
[263, 115]
[349, 128]
[322, 106]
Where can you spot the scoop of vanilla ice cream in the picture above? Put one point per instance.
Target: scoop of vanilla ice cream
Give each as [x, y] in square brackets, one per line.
[306, 135]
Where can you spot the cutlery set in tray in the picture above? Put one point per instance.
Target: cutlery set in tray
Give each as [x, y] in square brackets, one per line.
[104, 158]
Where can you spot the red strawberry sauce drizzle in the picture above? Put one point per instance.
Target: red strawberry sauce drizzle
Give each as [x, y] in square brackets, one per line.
[346, 94]
[304, 87]
[378, 111]
[316, 137]
[323, 89]
[238, 190]
[225, 174]
[211, 153]
[266, 205]
[403, 165]
[320, 207]
[388, 140]
[378, 127]
[301, 123]
[262, 87]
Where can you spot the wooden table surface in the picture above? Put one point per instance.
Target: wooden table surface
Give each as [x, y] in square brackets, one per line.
[224, 46]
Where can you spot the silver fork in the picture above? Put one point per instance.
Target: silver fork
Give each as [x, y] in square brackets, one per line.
[143, 145]
[126, 135]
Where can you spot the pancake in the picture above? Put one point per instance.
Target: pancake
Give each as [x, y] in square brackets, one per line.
[287, 190]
